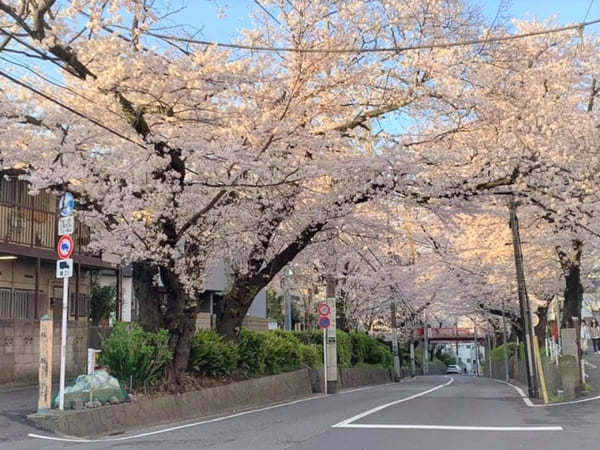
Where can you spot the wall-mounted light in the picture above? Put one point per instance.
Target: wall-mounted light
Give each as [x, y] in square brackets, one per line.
[7, 257]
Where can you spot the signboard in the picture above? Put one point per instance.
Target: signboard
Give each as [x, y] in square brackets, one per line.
[324, 322]
[64, 268]
[66, 225]
[64, 248]
[323, 309]
[66, 204]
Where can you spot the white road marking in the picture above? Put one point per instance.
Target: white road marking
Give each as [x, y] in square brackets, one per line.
[188, 425]
[396, 402]
[587, 363]
[449, 427]
[529, 403]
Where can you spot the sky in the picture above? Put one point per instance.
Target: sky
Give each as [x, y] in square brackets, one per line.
[204, 14]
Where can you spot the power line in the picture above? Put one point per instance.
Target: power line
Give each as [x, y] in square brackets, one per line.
[68, 108]
[53, 81]
[395, 49]
[588, 10]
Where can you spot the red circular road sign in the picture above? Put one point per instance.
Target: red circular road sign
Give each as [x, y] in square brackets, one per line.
[324, 322]
[323, 309]
[64, 247]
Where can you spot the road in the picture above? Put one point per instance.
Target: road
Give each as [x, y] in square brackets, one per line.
[434, 412]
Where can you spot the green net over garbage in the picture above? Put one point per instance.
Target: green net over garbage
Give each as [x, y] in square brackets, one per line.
[99, 386]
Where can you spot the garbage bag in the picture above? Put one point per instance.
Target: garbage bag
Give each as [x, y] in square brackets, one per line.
[100, 386]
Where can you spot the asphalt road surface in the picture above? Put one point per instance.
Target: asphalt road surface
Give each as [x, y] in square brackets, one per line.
[436, 412]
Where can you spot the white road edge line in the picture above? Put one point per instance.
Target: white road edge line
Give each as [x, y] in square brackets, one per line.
[188, 425]
[386, 405]
[529, 403]
[451, 427]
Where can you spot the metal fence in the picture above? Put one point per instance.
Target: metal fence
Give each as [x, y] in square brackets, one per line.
[32, 220]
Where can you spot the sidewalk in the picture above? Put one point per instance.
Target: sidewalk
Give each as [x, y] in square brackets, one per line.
[15, 404]
[592, 370]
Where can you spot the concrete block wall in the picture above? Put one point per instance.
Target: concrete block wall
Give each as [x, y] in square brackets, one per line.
[20, 350]
[256, 323]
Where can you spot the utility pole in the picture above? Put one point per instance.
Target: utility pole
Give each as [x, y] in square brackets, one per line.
[488, 341]
[476, 344]
[413, 369]
[331, 368]
[523, 300]
[426, 347]
[287, 316]
[504, 344]
[395, 343]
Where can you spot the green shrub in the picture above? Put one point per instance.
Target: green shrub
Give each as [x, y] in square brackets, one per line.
[102, 301]
[310, 337]
[344, 349]
[211, 356]
[497, 353]
[447, 358]
[135, 357]
[360, 347]
[251, 352]
[311, 355]
[379, 354]
[282, 353]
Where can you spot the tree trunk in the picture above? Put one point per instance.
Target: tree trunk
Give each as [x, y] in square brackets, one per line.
[571, 264]
[180, 320]
[234, 307]
[540, 329]
[148, 297]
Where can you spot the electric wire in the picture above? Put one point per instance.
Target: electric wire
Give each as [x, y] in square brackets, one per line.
[395, 49]
[68, 108]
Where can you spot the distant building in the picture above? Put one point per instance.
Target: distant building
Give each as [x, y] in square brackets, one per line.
[216, 285]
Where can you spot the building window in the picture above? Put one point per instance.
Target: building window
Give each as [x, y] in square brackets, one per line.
[17, 304]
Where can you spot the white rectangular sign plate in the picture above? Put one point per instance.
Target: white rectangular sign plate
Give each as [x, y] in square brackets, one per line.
[66, 225]
[64, 268]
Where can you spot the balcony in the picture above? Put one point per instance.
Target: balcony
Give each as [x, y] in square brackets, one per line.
[31, 221]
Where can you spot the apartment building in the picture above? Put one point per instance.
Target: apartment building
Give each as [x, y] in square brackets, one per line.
[28, 284]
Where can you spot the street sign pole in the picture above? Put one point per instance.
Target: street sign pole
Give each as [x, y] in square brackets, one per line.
[63, 343]
[325, 359]
[64, 270]
[395, 343]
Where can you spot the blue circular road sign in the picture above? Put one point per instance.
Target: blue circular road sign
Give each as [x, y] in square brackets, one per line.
[324, 322]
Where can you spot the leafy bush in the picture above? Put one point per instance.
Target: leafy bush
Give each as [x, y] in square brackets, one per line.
[282, 352]
[102, 301]
[211, 356]
[447, 358]
[314, 337]
[379, 354]
[311, 355]
[497, 353]
[135, 357]
[252, 352]
[360, 347]
[344, 349]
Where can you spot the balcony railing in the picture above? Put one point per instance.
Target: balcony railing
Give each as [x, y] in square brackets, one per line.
[33, 228]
